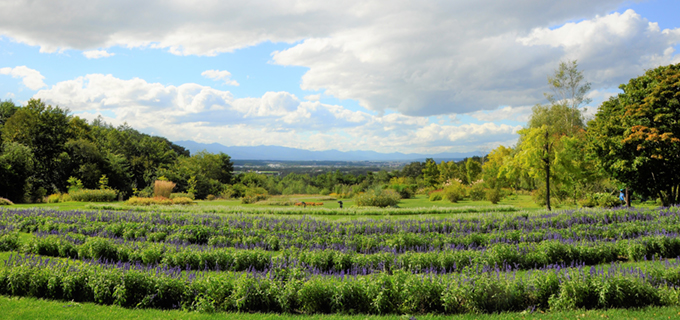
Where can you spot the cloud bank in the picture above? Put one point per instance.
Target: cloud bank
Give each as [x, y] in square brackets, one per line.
[205, 114]
[418, 59]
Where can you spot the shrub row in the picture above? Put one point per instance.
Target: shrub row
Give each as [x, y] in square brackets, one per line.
[516, 257]
[136, 201]
[182, 195]
[397, 293]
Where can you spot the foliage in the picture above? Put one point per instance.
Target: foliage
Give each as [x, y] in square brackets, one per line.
[473, 169]
[137, 201]
[74, 184]
[377, 198]
[436, 196]
[17, 164]
[254, 194]
[93, 195]
[58, 198]
[42, 146]
[431, 172]
[636, 135]
[492, 168]
[605, 200]
[476, 191]
[455, 191]
[404, 186]
[5, 202]
[182, 195]
[494, 195]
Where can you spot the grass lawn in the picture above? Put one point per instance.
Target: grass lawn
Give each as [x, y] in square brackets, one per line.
[523, 202]
[30, 308]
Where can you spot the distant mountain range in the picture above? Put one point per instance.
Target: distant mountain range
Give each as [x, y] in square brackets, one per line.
[276, 153]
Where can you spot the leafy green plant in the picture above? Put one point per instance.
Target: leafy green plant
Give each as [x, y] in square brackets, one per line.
[436, 196]
[476, 191]
[74, 184]
[454, 192]
[494, 195]
[182, 195]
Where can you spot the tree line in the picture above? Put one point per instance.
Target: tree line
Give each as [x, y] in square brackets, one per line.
[632, 144]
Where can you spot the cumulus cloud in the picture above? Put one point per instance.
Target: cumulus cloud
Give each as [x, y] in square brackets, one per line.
[313, 97]
[520, 114]
[205, 114]
[31, 78]
[218, 75]
[96, 54]
[445, 71]
[611, 48]
[409, 57]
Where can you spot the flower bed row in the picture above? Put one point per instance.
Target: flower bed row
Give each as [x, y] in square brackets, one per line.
[298, 291]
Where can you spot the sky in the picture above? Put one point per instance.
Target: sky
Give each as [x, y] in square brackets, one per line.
[388, 76]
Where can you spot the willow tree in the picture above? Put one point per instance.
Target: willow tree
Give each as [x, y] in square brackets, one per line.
[540, 144]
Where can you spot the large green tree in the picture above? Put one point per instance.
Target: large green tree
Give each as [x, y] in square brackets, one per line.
[636, 135]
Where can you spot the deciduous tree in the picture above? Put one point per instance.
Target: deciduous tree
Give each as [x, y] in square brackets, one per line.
[636, 135]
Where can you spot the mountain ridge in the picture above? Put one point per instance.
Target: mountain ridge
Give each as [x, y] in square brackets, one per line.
[279, 153]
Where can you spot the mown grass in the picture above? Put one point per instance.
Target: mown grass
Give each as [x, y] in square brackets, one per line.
[30, 308]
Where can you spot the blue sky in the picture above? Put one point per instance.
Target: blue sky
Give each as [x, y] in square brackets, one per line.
[349, 75]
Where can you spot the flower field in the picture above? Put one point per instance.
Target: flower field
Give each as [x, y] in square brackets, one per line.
[475, 263]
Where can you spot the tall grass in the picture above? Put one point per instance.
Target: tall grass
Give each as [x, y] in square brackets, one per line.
[93, 195]
[163, 188]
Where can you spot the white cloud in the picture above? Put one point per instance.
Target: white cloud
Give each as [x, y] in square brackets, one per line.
[96, 54]
[205, 114]
[31, 78]
[218, 75]
[451, 69]
[313, 97]
[414, 58]
[520, 114]
[613, 48]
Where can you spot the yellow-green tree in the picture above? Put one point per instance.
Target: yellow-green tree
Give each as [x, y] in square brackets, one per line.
[540, 146]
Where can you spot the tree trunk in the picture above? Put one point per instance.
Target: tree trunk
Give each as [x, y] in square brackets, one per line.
[547, 183]
[627, 198]
[547, 171]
